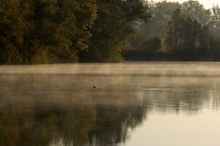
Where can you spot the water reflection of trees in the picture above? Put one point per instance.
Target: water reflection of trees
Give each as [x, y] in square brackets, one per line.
[70, 125]
[115, 130]
[188, 99]
[65, 110]
[53, 110]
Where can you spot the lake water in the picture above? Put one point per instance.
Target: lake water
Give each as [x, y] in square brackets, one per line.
[132, 104]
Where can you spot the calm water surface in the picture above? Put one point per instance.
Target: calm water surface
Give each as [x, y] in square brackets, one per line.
[133, 104]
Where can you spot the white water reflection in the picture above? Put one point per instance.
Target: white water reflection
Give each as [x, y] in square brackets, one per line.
[181, 130]
[152, 104]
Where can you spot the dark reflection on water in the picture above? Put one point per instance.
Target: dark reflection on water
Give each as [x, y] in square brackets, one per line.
[57, 110]
[53, 110]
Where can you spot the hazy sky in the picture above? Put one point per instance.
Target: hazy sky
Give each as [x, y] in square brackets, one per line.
[207, 3]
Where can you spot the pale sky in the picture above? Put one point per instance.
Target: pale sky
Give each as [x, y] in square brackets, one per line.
[207, 3]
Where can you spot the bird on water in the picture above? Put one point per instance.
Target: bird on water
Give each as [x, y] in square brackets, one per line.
[94, 87]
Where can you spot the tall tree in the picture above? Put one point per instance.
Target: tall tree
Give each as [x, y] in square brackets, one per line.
[196, 11]
[186, 38]
[62, 29]
[13, 27]
[113, 27]
[214, 23]
[161, 15]
[173, 38]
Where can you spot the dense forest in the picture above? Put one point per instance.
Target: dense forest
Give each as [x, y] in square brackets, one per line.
[177, 32]
[65, 31]
[61, 31]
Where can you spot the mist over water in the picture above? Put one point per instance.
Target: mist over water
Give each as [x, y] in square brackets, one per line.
[150, 68]
[110, 104]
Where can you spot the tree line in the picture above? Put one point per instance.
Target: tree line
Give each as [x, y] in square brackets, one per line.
[177, 31]
[65, 31]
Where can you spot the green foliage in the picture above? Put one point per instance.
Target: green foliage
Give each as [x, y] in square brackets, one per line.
[196, 11]
[13, 27]
[108, 34]
[59, 31]
[214, 22]
[162, 13]
[154, 44]
[62, 29]
[113, 28]
[187, 38]
[215, 48]
[146, 48]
